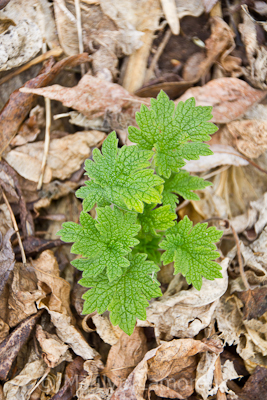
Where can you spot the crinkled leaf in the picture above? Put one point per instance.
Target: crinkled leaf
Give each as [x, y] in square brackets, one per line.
[120, 177]
[182, 183]
[156, 219]
[126, 297]
[193, 250]
[167, 132]
[105, 243]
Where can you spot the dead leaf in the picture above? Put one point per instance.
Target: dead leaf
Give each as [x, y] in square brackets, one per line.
[74, 374]
[256, 73]
[10, 347]
[125, 355]
[20, 104]
[31, 128]
[230, 98]
[254, 388]
[19, 44]
[20, 386]
[57, 304]
[65, 156]
[7, 258]
[172, 365]
[223, 155]
[185, 313]
[209, 4]
[38, 12]
[255, 302]
[54, 350]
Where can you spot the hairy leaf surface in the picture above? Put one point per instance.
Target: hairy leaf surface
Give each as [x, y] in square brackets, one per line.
[193, 250]
[126, 297]
[105, 243]
[173, 135]
[120, 177]
[182, 183]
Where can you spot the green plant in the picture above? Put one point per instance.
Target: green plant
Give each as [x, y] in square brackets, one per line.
[136, 191]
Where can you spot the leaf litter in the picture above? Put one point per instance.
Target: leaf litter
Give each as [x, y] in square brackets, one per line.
[48, 349]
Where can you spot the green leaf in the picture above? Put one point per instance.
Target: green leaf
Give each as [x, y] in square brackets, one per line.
[156, 219]
[121, 177]
[126, 297]
[149, 244]
[167, 132]
[105, 243]
[192, 249]
[182, 183]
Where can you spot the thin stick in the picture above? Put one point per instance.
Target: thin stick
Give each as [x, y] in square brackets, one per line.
[54, 52]
[15, 225]
[157, 55]
[80, 32]
[47, 136]
[38, 382]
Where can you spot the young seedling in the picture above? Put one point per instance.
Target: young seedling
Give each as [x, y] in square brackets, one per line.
[135, 190]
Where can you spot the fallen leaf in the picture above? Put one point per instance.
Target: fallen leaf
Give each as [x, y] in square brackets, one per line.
[54, 350]
[20, 386]
[254, 388]
[20, 104]
[31, 128]
[223, 155]
[38, 12]
[96, 98]
[65, 156]
[74, 374]
[7, 258]
[230, 98]
[255, 302]
[19, 44]
[125, 355]
[209, 4]
[57, 303]
[172, 365]
[10, 347]
[187, 312]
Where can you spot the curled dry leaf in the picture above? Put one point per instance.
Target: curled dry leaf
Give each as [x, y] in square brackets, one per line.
[250, 136]
[31, 128]
[255, 386]
[7, 258]
[172, 365]
[125, 355]
[20, 104]
[205, 375]
[57, 304]
[54, 350]
[19, 44]
[20, 386]
[65, 156]
[36, 11]
[255, 304]
[187, 312]
[256, 73]
[11, 346]
[223, 155]
[209, 4]
[89, 387]
[109, 334]
[229, 97]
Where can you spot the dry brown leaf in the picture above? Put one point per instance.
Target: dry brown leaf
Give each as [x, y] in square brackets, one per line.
[230, 98]
[36, 11]
[186, 312]
[96, 98]
[58, 306]
[109, 334]
[88, 387]
[20, 387]
[54, 350]
[125, 355]
[172, 364]
[250, 136]
[7, 258]
[65, 156]
[19, 44]
[209, 4]
[23, 294]
[254, 388]
[31, 128]
[13, 343]
[256, 73]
